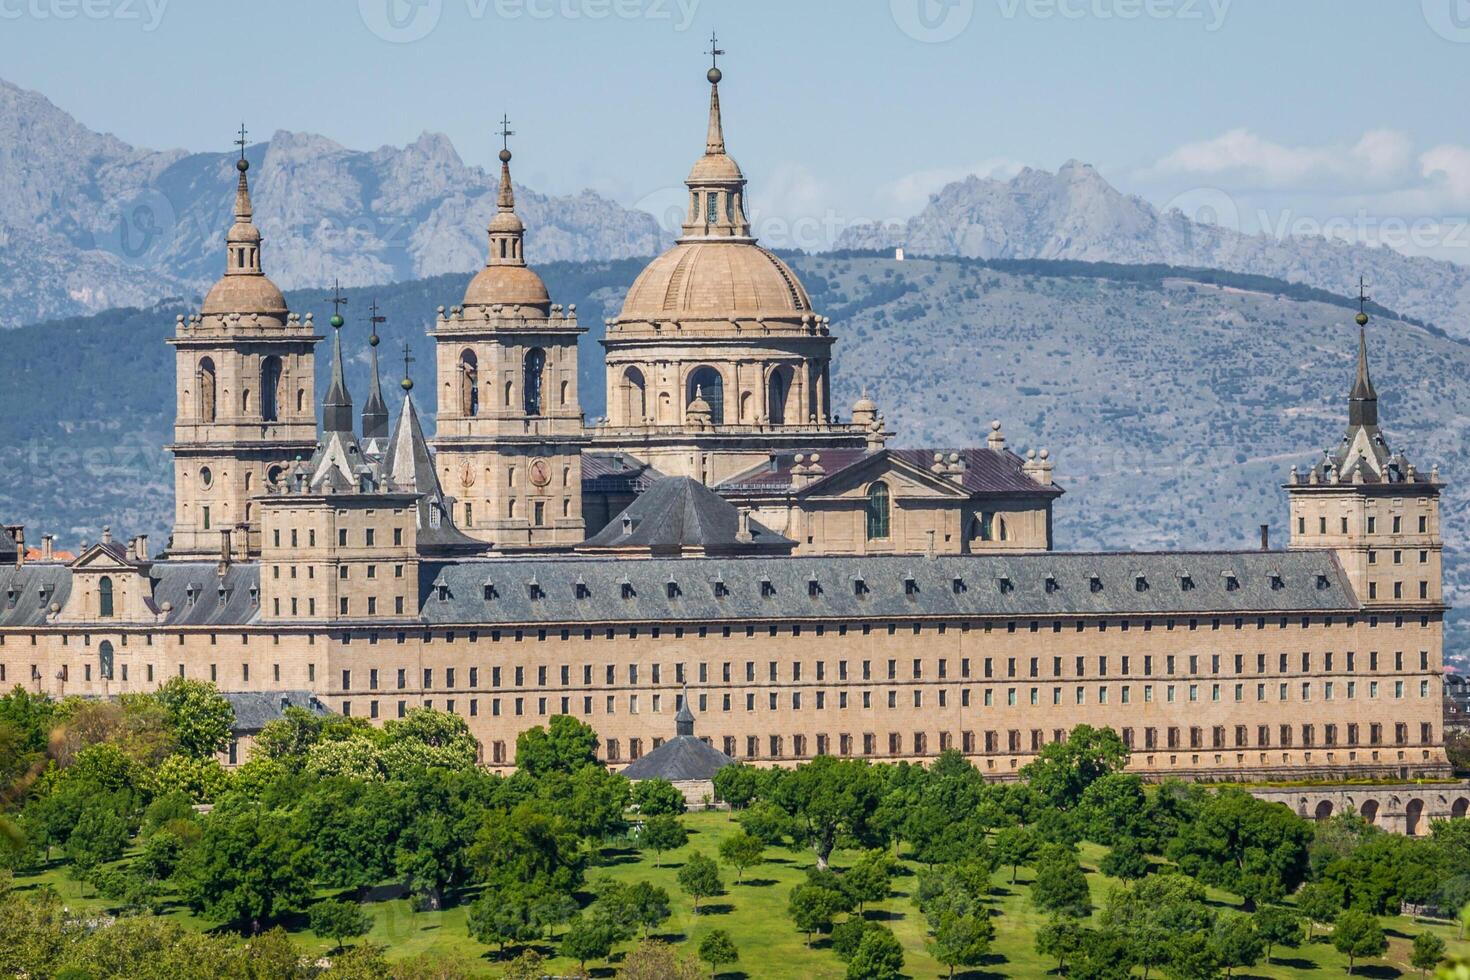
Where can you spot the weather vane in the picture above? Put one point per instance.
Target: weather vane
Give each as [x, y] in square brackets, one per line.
[1362, 295]
[714, 51]
[505, 132]
[374, 317]
[338, 301]
[408, 359]
[241, 141]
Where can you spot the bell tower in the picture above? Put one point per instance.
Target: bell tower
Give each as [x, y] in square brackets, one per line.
[1375, 508]
[245, 407]
[509, 431]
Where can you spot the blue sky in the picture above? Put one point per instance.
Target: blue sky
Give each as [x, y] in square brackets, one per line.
[1301, 111]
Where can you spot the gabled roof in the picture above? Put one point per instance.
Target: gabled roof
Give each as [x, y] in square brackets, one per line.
[107, 554]
[983, 471]
[256, 709]
[681, 758]
[616, 473]
[681, 515]
[407, 467]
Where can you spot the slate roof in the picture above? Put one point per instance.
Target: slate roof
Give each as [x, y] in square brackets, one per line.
[229, 600]
[616, 473]
[681, 514]
[987, 471]
[8, 548]
[26, 593]
[576, 589]
[683, 757]
[255, 709]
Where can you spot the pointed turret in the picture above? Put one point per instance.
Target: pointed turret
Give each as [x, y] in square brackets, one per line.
[1363, 400]
[684, 720]
[244, 288]
[506, 281]
[716, 185]
[337, 405]
[714, 138]
[374, 410]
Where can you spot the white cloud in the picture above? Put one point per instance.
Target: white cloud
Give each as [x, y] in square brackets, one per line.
[910, 193]
[1448, 169]
[1379, 156]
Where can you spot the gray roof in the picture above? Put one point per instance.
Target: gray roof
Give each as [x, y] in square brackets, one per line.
[200, 596]
[255, 709]
[987, 472]
[26, 593]
[8, 548]
[678, 514]
[616, 473]
[703, 590]
[681, 758]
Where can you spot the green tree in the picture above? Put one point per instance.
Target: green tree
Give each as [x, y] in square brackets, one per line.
[1015, 846]
[700, 878]
[427, 739]
[198, 715]
[1255, 849]
[766, 822]
[654, 960]
[718, 949]
[588, 938]
[740, 851]
[1113, 809]
[657, 796]
[962, 940]
[528, 844]
[1235, 942]
[565, 745]
[1278, 926]
[870, 878]
[879, 956]
[662, 833]
[1061, 938]
[504, 913]
[847, 935]
[359, 759]
[1060, 886]
[736, 785]
[831, 800]
[649, 905]
[198, 779]
[1321, 901]
[1126, 860]
[1063, 770]
[1464, 919]
[812, 908]
[250, 865]
[337, 920]
[100, 834]
[1358, 935]
[1428, 951]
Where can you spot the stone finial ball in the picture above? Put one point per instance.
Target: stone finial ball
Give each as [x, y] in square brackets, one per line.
[373, 340]
[1361, 318]
[714, 75]
[406, 384]
[337, 321]
[242, 165]
[505, 156]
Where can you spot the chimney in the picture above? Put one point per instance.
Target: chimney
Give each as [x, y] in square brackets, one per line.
[18, 532]
[242, 542]
[141, 543]
[48, 546]
[743, 535]
[107, 534]
[932, 552]
[225, 552]
[1265, 537]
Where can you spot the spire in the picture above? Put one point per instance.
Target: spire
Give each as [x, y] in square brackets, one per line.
[714, 140]
[1363, 400]
[374, 411]
[684, 720]
[337, 405]
[506, 230]
[242, 244]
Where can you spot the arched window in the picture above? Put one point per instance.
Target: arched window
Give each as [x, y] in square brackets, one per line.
[778, 389]
[982, 527]
[469, 384]
[270, 388]
[534, 370]
[205, 384]
[878, 511]
[104, 597]
[300, 399]
[708, 383]
[635, 410]
[104, 660]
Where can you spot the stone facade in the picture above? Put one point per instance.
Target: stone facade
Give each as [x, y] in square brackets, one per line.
[808, 587]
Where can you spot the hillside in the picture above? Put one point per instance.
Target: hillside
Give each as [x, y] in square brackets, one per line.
[88, 222]
[1173, 407]
[1076, 214]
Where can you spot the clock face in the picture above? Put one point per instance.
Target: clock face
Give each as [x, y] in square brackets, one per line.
[540, 472]
[467, 475]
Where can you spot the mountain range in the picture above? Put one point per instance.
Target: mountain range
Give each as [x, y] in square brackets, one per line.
[88, 222]
[1076, 214]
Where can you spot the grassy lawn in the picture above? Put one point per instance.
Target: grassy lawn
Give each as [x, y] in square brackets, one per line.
[754, 912]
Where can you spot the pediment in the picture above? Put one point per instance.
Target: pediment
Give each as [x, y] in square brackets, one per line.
[903, 478]
[100, 558]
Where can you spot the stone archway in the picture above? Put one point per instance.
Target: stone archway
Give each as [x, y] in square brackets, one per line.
[1369, 811]
[1459, 807]
[1323, 811]
[1414, 818]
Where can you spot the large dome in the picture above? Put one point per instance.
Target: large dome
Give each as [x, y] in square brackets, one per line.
[715, 280]
[244, 294]
[507, 285]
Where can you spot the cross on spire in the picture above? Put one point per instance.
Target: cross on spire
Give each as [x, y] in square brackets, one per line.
[1363, 296]
[374, 317]
[241, 141]
[337, 299]
[505, 132]
[714, 51]
[408, 359]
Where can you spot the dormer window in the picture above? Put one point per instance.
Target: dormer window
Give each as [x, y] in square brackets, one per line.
[958, 584]
[767, 589]
[11, 595]
[224, 595]
[1186, 583]
[254, 595]
[533, 589]
[1094, 582]
[910, 586]
[1140, 583]
[488, 591]
[813, 588]
[719, 588]
[859, 587]
[1231, 582]
[580, 590]
[1005, 584]
[1323, 582]
[191, 591]
[627, 589]
[671, 589]
[1277, 582]
[1052, 584]
[443, 592]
